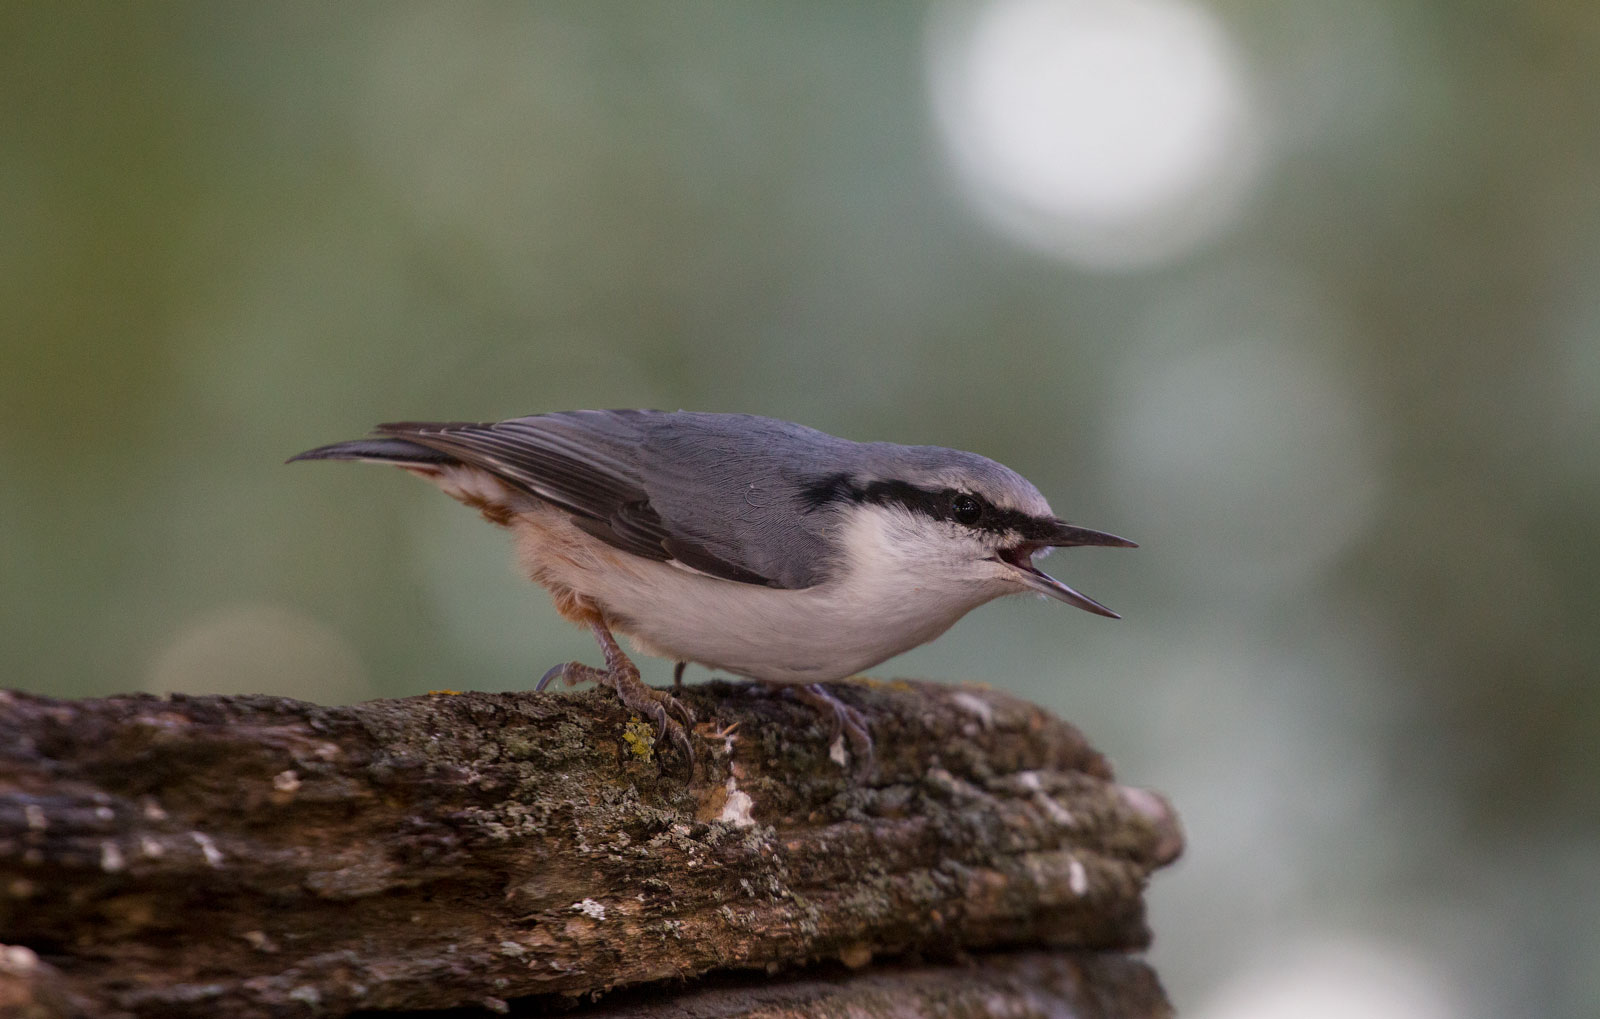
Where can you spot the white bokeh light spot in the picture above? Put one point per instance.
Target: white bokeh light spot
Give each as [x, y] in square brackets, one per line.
[250, 648]
[1113, 133]
[1338, 979]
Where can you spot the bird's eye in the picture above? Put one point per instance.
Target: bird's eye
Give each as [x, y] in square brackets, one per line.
[966, 509]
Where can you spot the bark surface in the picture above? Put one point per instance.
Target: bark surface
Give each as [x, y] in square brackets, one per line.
[257, 856]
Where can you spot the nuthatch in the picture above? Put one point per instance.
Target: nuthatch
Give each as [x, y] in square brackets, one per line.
[759, 547]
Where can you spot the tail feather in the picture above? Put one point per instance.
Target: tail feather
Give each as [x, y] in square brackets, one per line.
[391, 451]
[476, 486]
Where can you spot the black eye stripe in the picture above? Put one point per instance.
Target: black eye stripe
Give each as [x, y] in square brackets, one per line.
[936, 504]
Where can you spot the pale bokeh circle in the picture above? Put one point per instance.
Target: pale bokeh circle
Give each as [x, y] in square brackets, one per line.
[250, 648]
[1113, 133]
[1336, 979]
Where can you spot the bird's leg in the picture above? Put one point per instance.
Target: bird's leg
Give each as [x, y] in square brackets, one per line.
[677, 675]
[846, 720]
[622, 676]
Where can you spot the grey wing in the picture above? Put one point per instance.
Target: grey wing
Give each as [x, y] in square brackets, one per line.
[595, 465]
[736, 485]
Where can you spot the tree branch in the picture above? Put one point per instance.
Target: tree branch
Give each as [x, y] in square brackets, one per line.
[255, 856]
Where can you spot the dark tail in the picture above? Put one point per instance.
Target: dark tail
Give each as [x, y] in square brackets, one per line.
[393, 451]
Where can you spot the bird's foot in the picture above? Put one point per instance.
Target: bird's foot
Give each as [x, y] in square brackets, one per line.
[846, 721]
[672, 716]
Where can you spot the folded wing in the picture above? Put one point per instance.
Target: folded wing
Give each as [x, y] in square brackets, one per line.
[670, 487]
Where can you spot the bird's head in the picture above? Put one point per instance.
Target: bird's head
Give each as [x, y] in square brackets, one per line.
[955, 517]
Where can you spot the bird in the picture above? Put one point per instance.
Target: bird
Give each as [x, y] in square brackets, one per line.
[746, 544]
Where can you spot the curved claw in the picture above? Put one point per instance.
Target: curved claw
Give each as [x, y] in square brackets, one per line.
[847, 721]
[555, 671]
[681, 738]
[866, 757]
[681, 711]
[688, 749]
[672, 717]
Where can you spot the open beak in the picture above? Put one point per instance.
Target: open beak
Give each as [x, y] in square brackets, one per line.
[1021, 559]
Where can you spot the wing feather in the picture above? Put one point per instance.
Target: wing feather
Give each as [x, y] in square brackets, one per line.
[596, 465]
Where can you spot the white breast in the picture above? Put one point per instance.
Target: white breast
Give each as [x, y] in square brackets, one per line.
[888, 597]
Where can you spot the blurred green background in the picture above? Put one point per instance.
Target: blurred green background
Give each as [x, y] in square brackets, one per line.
[1305, 297]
